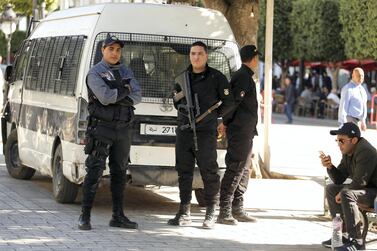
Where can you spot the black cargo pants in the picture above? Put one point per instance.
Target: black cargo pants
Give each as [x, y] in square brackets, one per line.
[109, 140]
[236, 177]
[206, 159]
[348, 208]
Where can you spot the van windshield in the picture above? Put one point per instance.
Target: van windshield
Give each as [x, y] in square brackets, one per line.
[157, 60]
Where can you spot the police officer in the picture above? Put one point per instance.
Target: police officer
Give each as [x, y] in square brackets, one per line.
[209, 86]
[240, 126]
[112, 92]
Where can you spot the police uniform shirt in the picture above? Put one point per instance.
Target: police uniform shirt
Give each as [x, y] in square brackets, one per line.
[245, 112]
[211, 86]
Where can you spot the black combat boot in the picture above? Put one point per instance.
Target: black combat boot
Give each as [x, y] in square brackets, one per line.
[226, 217]
[182, 218]
[209, 220]
[120, 220]
[240, 214]
[84, 220]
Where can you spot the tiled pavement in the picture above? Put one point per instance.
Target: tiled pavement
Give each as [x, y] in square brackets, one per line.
[288, 212]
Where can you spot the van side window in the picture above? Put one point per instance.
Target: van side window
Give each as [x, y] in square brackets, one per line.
[35, 64]
[54, 64]
[70, 65]
[21, 61]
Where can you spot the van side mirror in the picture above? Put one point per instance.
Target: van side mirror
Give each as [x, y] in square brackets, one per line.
[8, 73]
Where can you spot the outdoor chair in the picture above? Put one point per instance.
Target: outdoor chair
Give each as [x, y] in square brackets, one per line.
[279, 103]
[331, 109]
[303, 107]
[368, 220]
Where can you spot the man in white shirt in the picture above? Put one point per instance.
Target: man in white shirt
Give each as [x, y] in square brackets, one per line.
[353, 101]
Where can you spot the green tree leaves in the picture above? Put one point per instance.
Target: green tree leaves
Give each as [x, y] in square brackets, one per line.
[322, 30]
[282, 38]
[316, 30]
[359, 20]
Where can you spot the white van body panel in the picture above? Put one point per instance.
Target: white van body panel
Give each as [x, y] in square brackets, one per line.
[36, 147]
[171, 20]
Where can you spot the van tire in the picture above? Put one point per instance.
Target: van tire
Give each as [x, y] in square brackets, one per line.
[63, 190]
[12, 159]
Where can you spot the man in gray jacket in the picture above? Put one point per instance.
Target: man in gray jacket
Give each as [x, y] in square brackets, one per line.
[112, 91]
[359, 163]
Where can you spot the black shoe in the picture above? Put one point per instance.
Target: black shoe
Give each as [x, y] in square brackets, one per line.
[351, 246]
[327, 244]
[209, 220]
[182, 218]
[122, 222]
[84, 222]
[226, 217]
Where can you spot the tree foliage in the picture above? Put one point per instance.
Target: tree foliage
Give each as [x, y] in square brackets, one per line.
[16, 41]
[316, 30]
[238, 13]
[282, 37]
[24, 8]
[359, 20]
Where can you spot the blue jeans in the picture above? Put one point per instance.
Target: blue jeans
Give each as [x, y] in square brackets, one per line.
[288, 111]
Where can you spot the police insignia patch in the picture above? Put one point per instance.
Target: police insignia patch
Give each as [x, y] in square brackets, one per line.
[242, 94]
[108, 75]
[226, 92]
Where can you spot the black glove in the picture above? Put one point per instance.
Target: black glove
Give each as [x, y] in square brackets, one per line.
[126, 82]
[125, 89]
[177, 88]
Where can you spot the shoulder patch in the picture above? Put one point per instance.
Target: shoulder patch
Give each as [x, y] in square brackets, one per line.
[108, 75]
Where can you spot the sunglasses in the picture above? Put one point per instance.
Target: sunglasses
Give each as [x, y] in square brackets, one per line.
[342, 141]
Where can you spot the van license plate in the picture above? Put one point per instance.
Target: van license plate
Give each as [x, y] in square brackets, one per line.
[164, 130]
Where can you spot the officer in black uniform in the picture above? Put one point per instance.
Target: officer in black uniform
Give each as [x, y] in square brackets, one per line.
[112, 92]
[209, 86]
[240, 125]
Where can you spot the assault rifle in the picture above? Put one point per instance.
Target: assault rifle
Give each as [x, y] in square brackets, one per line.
[184, 91]
[185, 85]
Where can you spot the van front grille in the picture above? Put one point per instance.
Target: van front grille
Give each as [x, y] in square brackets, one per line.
[157, 60]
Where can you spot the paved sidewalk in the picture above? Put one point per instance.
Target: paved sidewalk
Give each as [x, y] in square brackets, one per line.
[289, 212]
[31, 220]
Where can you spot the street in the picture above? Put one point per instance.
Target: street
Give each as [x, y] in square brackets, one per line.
[289, 212]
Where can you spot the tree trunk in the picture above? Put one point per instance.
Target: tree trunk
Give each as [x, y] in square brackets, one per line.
[284, 72]
[335, 73]
[242, 15]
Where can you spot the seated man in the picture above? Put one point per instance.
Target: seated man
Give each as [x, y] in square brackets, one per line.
[335, 99]
[359, 163]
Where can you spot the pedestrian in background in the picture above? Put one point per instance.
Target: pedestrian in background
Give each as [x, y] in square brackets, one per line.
[210, 86]
[289, 99]
[359, 163]
[112, 92]
[353, 101]
[241, 127]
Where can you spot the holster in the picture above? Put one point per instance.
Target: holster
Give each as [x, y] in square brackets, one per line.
[89, 139]
[89, 145]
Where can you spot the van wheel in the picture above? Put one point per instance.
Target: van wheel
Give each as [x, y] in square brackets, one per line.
[12, 159]
[63, 190]
[199, 195]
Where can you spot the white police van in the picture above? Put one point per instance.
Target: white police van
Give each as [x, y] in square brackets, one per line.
[44, 122]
